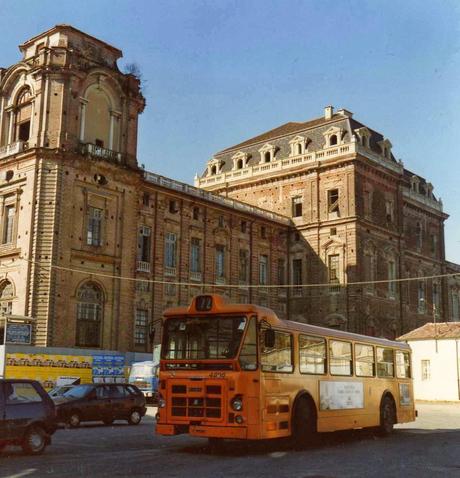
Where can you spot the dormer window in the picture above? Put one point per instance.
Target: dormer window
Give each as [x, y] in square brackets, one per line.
[23, 115]
[215, 166]
[364, 136]
[429, 190]
[386, 146]
[334, 136]
[240, 160]
[415, 184]
[298, 145]
[267, 153]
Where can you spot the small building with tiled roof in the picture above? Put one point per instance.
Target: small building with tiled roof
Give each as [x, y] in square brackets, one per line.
[435, 361]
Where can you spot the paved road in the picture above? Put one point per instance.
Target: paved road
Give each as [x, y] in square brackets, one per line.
[429, 447]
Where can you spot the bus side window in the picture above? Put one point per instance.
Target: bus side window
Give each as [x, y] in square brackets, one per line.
[279, 357]
[248, 354]
[385, 362]
[312, 354]
[403, 364]
[364, 360]
[340, 358]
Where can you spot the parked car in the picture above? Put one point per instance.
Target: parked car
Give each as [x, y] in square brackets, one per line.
[101, 401]
[59, 391]
[27, 415]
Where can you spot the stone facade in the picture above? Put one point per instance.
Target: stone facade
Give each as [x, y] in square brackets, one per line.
[359, 216]
[94, 248]
[80, 220]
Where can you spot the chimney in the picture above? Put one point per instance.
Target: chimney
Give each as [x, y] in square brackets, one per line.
[328, 112]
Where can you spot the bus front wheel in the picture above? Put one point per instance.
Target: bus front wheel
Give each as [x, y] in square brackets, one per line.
[387, 415]
[303, 423]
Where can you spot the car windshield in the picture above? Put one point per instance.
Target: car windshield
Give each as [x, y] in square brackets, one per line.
[202, 337]
[78, 392]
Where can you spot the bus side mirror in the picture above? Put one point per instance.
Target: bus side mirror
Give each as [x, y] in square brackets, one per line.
[269, 338]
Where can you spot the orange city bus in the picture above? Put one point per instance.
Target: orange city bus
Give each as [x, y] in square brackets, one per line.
[238, 371]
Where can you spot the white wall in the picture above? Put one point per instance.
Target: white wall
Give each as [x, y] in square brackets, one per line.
[443, 382]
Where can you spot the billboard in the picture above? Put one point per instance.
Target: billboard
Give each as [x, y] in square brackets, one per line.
[49, 370]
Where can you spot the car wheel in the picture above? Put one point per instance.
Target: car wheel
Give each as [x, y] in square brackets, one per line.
[34, 441]
[108, 421]
[74, 419]
[135, 417]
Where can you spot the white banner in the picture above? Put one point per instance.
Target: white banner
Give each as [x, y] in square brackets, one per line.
[341, 395]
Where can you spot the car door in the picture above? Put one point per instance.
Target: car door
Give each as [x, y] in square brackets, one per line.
[23, 404]
[119, 401]
[103, 407]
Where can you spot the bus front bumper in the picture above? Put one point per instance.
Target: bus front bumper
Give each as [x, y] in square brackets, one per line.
[203, 431]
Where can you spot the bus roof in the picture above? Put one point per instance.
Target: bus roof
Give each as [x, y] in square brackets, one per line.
[220, 306]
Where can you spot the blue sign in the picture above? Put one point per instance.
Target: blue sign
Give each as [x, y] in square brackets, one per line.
[108, 366]
[19, 334]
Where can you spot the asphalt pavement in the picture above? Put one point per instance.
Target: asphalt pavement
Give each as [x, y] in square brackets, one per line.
[429, 447]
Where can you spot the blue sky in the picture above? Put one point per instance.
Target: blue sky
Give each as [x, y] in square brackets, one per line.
[218, 72]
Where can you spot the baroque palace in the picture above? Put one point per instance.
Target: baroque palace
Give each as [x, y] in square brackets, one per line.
[94, 248]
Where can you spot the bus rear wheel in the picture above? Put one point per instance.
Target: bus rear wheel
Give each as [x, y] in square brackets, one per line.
[303, 424]
[387, 416]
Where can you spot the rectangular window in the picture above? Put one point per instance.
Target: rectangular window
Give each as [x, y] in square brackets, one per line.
[220, 262]
[369, 272]
[426, 373]
[244, 227]
[434, 244]
[263, 232]
[333, 270]
[140, 327]
[455, 306]
[263, 270]
[195, 255]
[435, 298]
[297, 206]
[94, 231]
[421, 297]
[385, 362]
[248, 354]
[20, 393]
[8, 224]
[333, 201]
[389, 209]
[297, 276]
[143, 246]
[170, 250]
[340, 358]
[312, 354]
[281, 271]
[243, 272]
[146, 199]
[279, 357]
[364, 360]
[391, 276]
[402, 364]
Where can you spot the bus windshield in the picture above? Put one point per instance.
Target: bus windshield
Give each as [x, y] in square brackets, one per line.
[202, 338]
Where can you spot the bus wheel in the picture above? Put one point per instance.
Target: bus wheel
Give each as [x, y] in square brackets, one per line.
[215, 445]
[303, 424]
[387, 416]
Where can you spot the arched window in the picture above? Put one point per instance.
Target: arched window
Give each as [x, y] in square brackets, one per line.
[99, 122]
[239, 164]
[267, 156]
[333, 140]
[23, 115]
[90, 307]
[213, 169]
[6, 297]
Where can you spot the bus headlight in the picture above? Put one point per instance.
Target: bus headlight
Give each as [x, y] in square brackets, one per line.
[237, 403]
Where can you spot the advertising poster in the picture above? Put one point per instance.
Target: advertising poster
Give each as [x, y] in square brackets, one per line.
[18, 334]
[341, 395]
[49, 370]
[404, 394]
[109, 368]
